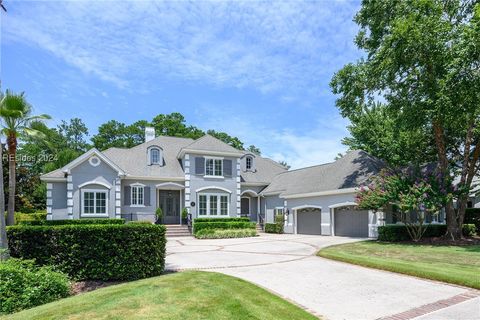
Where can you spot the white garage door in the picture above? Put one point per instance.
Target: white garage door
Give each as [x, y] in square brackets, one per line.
[309, 221]
[351, 223]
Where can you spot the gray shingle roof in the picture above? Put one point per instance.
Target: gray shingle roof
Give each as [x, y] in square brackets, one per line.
[212, 144]
[58, 173]
[134, 161]
[266, 170]
[355, 168]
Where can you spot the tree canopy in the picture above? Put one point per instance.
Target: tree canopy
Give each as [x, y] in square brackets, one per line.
[417, 88]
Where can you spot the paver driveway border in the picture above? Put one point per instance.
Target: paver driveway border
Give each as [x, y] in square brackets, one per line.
[272, 261]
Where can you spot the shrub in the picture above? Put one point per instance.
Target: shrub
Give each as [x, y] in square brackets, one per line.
[21, 218]
[94, 252]
[73, 222]
[472, 215]
[273, 228]
[197, 226]
[223, 234]
[24, 285]
[469, 230]
[222, 219]
[395, 232]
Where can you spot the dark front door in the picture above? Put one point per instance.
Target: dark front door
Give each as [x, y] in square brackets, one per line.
[169, 201]
[245, 207]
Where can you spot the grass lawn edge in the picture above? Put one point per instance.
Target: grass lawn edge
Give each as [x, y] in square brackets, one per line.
[327, 254]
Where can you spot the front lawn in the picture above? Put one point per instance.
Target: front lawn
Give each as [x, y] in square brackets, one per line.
[184, 295]
[453, 264]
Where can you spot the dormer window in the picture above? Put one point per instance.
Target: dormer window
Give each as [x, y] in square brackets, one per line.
[249, 163]
[155, 156]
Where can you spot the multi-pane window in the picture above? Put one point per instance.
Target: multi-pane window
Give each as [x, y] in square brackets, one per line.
[213, 205]
[223, 205]
[202, 205]
[213, 167]
[154, 156]
[137, 195]
[249, 161]
[94, 202]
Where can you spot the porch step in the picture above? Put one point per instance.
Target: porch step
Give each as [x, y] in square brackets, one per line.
[176, 230]
[259, 228]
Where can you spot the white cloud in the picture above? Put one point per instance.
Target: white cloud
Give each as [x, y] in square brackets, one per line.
[305, 147]
[270, 46]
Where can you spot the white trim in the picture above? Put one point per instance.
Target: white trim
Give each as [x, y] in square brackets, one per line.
[53, 179]
[167, 179]
[306, 206]
[214, 177]
[137, 186]
[213, 187]
[87, 156]
[96, 159]
[160, 155]
[219, 206]
[250, 191]
[214, 159]
[101, 183]
[82, 203]
[343, 204]
[321, 193]
[254, 184]
[169, 185]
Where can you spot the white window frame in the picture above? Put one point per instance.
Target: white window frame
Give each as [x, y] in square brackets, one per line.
[214, 175]
[95, 214]
[219, 205]
[159, 156]
[249, 158]
[136, 204]
[278, 211]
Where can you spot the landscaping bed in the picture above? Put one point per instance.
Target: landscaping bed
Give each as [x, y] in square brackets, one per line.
[453, 264]
[219, 228]
[184, 295]
[224, 234]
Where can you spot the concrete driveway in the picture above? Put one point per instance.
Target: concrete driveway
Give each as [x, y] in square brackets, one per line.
[287, 266]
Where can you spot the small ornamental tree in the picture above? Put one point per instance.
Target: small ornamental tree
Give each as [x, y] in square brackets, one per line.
[412, 193]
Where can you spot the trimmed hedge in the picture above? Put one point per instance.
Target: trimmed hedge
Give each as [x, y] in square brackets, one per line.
[224, 234]
[24, 285]
[221, 219]
[73, 222]
[472, 216]
[395, 232]
[273, 228]
[197, 226]
[469, 230]
[93, 252]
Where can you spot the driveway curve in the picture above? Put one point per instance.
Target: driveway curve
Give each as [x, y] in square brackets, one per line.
[287, 265]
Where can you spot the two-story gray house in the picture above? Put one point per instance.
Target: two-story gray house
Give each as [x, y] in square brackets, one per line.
[212, 179]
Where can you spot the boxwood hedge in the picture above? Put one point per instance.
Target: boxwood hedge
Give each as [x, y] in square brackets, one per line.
[71, 222]
[197, 226]
[92, 251]
[221, 219]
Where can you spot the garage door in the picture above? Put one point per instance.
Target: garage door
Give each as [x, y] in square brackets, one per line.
[309, 221]
[351, 223]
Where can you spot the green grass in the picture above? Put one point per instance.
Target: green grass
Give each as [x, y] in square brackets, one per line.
[452, 264]
[184, 295]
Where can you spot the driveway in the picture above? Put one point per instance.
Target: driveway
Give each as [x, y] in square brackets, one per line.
[287, 266]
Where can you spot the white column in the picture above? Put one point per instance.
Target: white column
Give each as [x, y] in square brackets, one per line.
[118, 198]
[187, 181]
[49, 201]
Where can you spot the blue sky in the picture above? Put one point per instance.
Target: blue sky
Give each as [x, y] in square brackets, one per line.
[256, 70]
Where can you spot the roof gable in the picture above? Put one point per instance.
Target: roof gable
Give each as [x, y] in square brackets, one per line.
[210, 145]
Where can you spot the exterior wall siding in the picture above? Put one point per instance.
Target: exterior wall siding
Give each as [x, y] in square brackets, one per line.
[57, 206]
[83, 173]
[229, 183]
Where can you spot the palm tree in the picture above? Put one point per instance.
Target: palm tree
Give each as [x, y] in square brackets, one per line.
[17, 121]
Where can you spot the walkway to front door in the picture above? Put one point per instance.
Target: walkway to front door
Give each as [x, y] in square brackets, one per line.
[169, 202]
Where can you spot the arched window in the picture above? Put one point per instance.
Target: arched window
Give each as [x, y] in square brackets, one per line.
[155, 156]
[248, 163]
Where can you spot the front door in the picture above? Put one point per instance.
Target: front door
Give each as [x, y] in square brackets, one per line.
[169, 201]
[245, 207]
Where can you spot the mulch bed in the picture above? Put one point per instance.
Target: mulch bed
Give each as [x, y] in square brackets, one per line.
[90, 285]
[442, 241]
